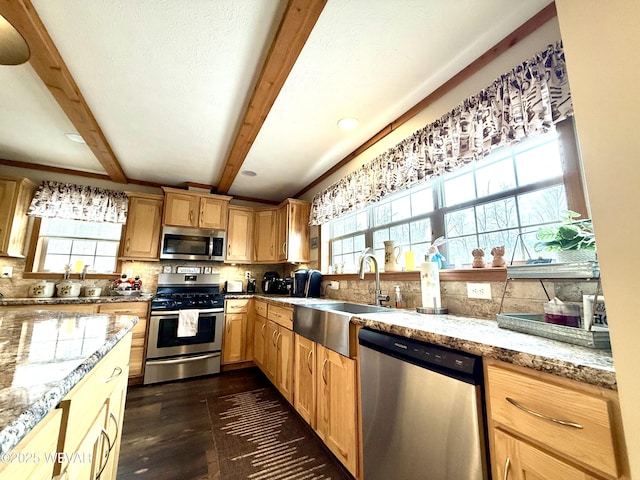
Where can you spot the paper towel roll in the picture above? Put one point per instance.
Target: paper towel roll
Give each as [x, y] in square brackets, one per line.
[430, 285]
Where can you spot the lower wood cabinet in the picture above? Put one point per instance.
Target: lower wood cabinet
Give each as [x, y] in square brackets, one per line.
[304, 395]
[259, 337]
[545, 426]
[279, 358]
[237, 339]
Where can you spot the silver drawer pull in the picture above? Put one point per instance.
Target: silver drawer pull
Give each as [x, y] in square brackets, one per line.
[507, 464]
[544, 417]
[117, 371]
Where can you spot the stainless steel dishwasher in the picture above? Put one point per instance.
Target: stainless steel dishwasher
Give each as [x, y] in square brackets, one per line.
[422, 410]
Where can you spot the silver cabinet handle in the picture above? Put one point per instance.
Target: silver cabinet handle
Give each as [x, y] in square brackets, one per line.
[507, 464]
[324, 379]
[542, 416]
[115, 422]
[309, 361]
[106, 460]
[117, 371]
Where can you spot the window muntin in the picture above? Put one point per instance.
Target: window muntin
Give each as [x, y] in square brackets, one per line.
[485, 204]
[74, 242]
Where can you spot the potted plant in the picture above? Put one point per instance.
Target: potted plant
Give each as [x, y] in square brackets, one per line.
[573, 239]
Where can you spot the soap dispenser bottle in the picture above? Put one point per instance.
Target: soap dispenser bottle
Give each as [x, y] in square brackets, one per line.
[398, 297]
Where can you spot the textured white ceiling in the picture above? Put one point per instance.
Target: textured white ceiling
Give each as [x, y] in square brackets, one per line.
[167, 81]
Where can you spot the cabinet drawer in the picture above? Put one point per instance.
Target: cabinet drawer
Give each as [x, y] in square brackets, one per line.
[139, 309]
[261, 308]
[236, 306]
[86, 399]
[280, 315]
[571, 422]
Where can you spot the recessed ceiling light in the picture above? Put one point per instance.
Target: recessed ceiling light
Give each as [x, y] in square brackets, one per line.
[248, 173]
[348, 123]
[74, 137]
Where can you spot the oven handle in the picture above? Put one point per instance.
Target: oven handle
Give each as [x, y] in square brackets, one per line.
[183, 359]
[164, 313]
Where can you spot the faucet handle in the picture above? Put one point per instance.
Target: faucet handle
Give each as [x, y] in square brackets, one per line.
[382, 298]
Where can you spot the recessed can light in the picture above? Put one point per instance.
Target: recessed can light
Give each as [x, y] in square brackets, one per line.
[348, 123]
[248, 173]
[74, 137]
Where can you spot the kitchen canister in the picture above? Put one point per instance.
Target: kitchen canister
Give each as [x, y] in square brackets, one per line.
[68, 289]
[42, 289]
[391, 256]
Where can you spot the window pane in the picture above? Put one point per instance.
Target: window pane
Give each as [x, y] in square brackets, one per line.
[337, 227]
[496, 239]
[382, 214]
[55, 263]
[107, 249]
[420, 231]
[362, 221]
[542, 206]
[401, 208]
[539, 164]
[422, 202]
[459, 251]
[84, 247]
[497, 215]
[358, 243]
[104, 264]
[420, 252]
[336, 247]
[350, 224]
[400, 233]
[347, 245]
[59, 245]
[460, 222]
[494, 178]
[459, 190]
[379, 236]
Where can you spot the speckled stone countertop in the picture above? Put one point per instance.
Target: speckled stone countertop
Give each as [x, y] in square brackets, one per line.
[8, 302]
[484, 337]
[44, 354]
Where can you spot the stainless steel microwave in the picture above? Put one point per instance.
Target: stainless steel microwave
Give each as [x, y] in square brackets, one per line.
[180, 243]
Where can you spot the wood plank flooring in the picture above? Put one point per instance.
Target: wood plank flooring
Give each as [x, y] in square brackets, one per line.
[167, 431]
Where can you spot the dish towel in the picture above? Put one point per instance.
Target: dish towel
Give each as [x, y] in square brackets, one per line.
[188, 323]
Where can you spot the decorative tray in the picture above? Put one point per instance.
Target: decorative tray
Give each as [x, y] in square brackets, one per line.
[534, 324]
[555, 270]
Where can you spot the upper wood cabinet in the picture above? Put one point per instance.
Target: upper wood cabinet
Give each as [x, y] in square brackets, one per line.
[293, 231]
[265, 235]
[141, 238]
[15, 196]
[183, 208]
[240, 235]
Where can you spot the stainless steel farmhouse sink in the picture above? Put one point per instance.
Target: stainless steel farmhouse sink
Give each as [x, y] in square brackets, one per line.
[328, 323]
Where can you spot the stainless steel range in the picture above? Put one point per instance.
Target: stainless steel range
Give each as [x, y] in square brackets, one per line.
[185, 330]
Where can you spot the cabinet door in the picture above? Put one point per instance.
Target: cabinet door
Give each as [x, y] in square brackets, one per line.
[240, 235]
[213, 213]
[517, 460]
[265, 235]
[8, 192]
[259, 341]
[181, 209]
[141, 237]
[271, 351]
[298, 231]
[115, 403]
[304, 394]
[336, 406]
[281, 233]
[15, 196]
[284, 374]
[233, 342]
[91, 455]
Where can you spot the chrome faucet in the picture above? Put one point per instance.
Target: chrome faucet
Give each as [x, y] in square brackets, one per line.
[367, 254]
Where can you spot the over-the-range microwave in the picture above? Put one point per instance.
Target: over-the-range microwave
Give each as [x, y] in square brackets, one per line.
[180, 243]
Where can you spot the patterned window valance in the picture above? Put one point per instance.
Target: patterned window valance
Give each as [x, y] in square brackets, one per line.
[522, 103]
[79, 202]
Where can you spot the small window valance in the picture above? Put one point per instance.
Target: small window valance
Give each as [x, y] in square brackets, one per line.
[79, 202]
[522, 103]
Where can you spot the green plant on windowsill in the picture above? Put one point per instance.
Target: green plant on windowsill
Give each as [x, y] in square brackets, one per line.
[571, 234]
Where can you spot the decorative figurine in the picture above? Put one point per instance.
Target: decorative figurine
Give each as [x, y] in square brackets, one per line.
[478, 258]
[498, 256]
[434, 255]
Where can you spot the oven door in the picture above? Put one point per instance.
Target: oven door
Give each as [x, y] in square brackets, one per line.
[165, 342]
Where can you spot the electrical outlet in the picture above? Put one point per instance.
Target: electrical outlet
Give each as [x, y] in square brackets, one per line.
[7, 272]
[247, 274]
[333, 285]
[479, 290]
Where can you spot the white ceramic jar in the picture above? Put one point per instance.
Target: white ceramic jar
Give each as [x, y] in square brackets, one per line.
[42, 289]
[68, 289]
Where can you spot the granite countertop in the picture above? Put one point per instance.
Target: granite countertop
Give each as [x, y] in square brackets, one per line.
[8, 302]
[44, 354]
[483, 337]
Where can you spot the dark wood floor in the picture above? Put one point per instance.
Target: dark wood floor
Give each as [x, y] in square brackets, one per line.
[167, 432]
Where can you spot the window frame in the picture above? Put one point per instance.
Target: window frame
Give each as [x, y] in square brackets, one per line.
[572, 179]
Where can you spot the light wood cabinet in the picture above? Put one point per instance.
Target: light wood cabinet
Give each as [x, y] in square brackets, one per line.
[279, 349]
[336, 407]
[293, 231]
[266, 235]
[304, 395]
[196, 210]
[141, 236]
[240, 235]
[544, 423]
[139, 334]
[237, 343]
[15, 197]
[260, 334]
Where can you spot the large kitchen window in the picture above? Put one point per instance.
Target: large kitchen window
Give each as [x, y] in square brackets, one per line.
[488, 203]
[77, 244]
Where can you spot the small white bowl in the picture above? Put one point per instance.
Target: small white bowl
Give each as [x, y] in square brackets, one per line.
[68, 289]
[91, 291]
[42, 290]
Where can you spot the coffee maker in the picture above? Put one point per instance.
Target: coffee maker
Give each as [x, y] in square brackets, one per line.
[306, 283]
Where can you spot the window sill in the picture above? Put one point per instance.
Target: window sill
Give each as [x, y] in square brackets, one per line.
[73, 276]
[498, 274]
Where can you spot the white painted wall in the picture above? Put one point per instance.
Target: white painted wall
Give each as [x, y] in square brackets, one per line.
[601, 41]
